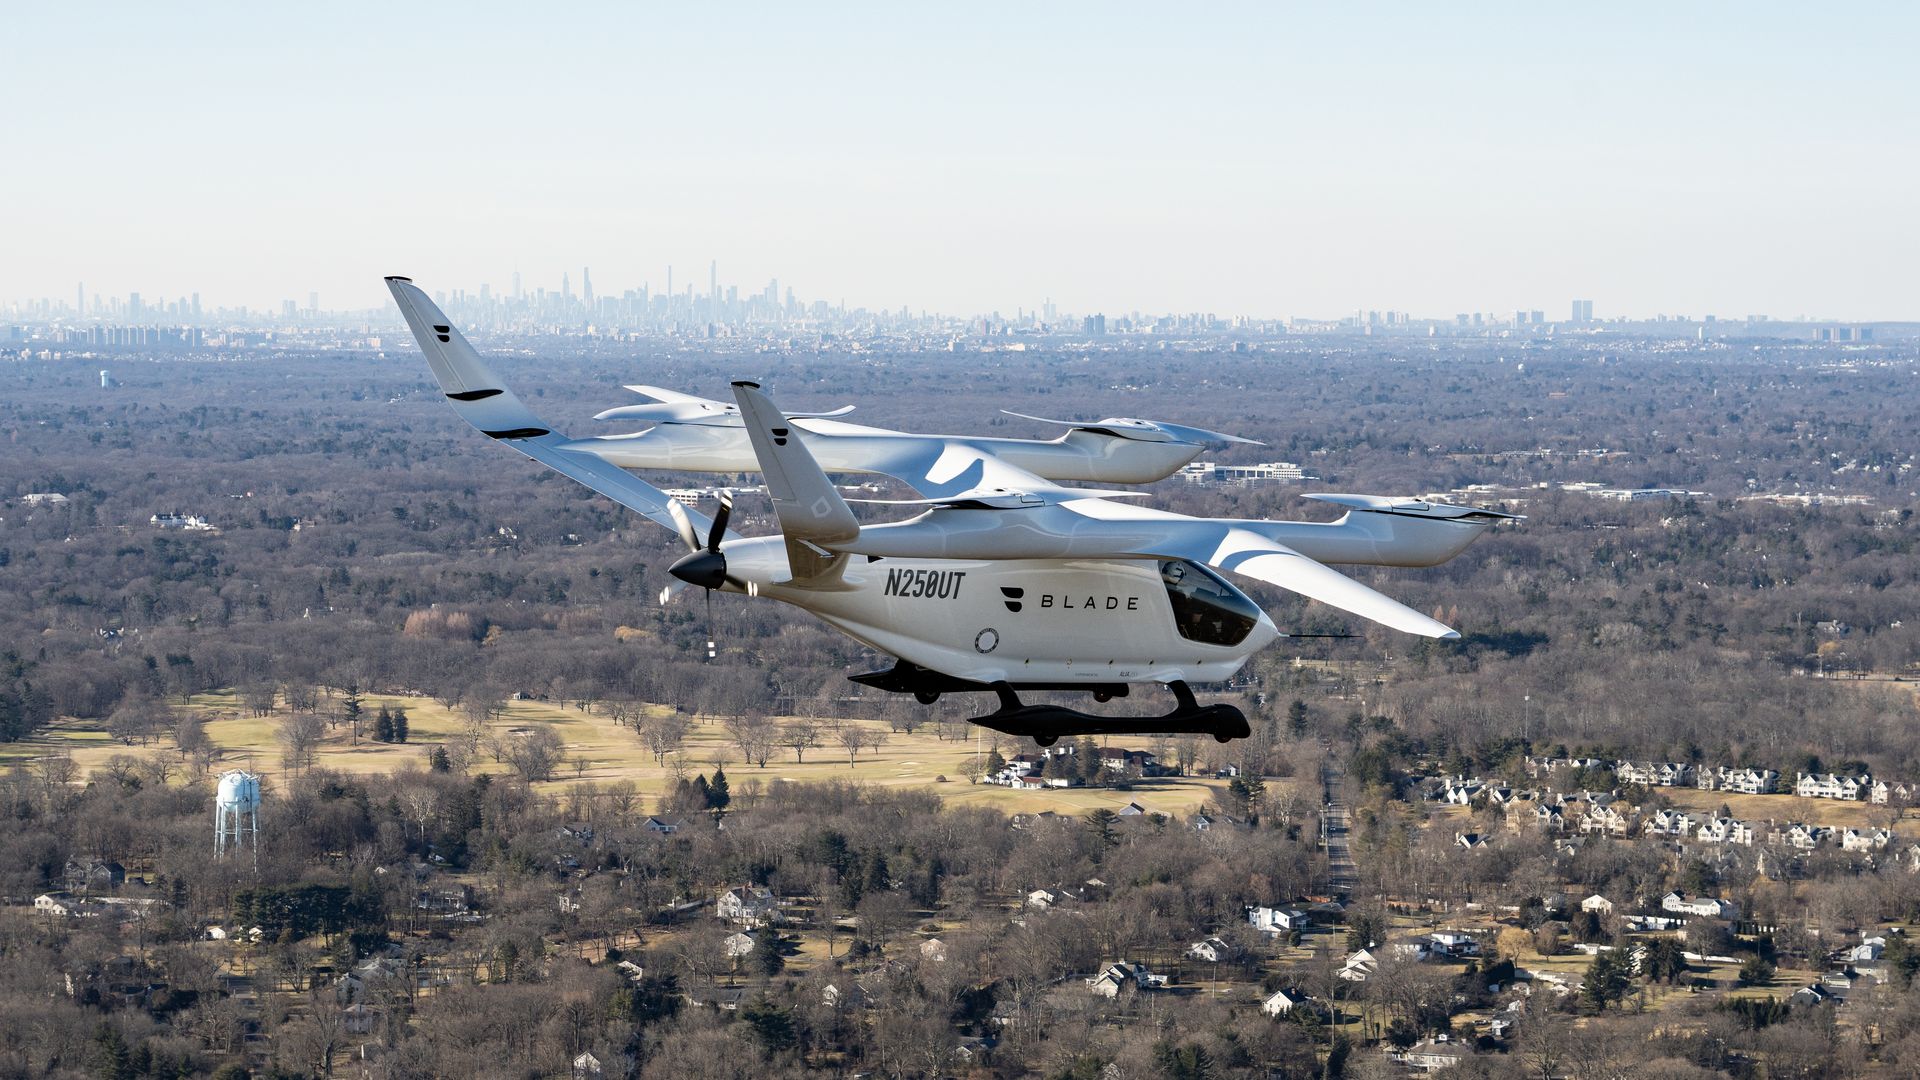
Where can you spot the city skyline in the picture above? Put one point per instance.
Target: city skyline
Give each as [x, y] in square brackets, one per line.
[1256, 160]
[725, 301]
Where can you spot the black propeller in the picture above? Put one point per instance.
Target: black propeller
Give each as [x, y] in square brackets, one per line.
[707, 567]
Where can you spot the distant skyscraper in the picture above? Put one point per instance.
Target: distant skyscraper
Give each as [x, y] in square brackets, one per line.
[313, 302]
[80, 300]
[133, 307]
[566, 288]
[713, 289]
[516, 286]
[586, 287]
[1583, 311]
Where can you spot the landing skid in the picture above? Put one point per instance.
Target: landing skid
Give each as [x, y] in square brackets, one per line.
[1047, 724]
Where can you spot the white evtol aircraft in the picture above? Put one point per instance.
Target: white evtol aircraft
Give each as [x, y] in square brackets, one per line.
[1006, 580]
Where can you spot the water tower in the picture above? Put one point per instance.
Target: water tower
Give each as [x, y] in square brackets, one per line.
[236, 813]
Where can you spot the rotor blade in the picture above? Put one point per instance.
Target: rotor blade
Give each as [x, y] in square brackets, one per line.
[719, 530]
[672, 590]
[683, 525]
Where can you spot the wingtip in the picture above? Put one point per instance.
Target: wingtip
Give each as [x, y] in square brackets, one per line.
[1451, 635]
[397, 277]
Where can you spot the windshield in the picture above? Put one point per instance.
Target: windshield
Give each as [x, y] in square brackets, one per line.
[1206, 608]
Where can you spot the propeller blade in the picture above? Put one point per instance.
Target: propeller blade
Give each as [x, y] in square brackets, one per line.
[672, 590]
[683, 525]
[719, 529]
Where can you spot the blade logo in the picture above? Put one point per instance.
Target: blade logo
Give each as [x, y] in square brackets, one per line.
[930, 584]
[1090, 603]
[1013, 596]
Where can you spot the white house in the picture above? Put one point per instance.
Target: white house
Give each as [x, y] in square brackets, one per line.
[1703, 906]
[1359, 966]
[934, 949]
[1213, 950]
[748, 905]
[1597, 904]
[1865, 839]
[1270, 920]
[737, 944]
[1282, 1002]
[1832, 786]
[1884, 793]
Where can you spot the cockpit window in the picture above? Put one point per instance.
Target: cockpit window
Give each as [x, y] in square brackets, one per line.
[1205, 608]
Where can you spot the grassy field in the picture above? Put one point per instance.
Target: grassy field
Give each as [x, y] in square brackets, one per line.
[613, 753]
[1831, 812]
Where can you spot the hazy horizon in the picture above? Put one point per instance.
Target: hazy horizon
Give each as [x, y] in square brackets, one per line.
[1255, 161]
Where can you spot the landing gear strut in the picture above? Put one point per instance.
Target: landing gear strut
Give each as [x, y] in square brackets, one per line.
[1046, 724]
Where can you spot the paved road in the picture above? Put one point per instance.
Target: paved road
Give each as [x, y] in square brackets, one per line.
[1342, 874]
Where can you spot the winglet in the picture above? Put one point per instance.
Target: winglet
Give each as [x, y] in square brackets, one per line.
[808, 505]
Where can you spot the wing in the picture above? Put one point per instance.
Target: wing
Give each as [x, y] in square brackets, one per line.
[1091, 528]
[483, 401]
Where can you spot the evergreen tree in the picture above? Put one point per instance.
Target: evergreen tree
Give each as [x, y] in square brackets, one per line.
[1087, 756]
[399, 724]
[1606, 981]
[438, 760]
[350, 709]
[879, 877]
[772, 1026]
[717, 794]
[995, 762]
[765, 957]
[383, 726]
[1297, 718]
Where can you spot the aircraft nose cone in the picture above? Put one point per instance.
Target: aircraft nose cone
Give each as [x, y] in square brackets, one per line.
[707, 569]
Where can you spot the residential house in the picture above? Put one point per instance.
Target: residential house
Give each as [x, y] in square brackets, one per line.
[1432, 1055]
[1271, 920]
[1453, 945]
[1597, 904]
[1810, 995]
[737, 944]
[1608, 820]
[1213, 950]
[1133, 809]
[1654, 773]
[1049, 898]
[663, 826]
[1832, 786]
[1671, 823]
[1459, 791]
[1869, 951]
[1472, 841]
[1282, 1002]
[1883, 793]
[1719, 830]
[91, 874]
[1743, 781]
[1123, 975]
[1359, 966]
[1800, 837]
[934, 949]
[748, 905]
[586, 1066]
[1704, 906]
[1865, 839]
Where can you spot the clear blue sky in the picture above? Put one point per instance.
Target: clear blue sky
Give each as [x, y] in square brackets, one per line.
[1256, 159]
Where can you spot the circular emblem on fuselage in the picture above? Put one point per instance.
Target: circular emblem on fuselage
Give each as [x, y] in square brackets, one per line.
[986, 640]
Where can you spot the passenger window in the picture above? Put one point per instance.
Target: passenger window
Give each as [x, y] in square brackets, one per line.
[1205, 608]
